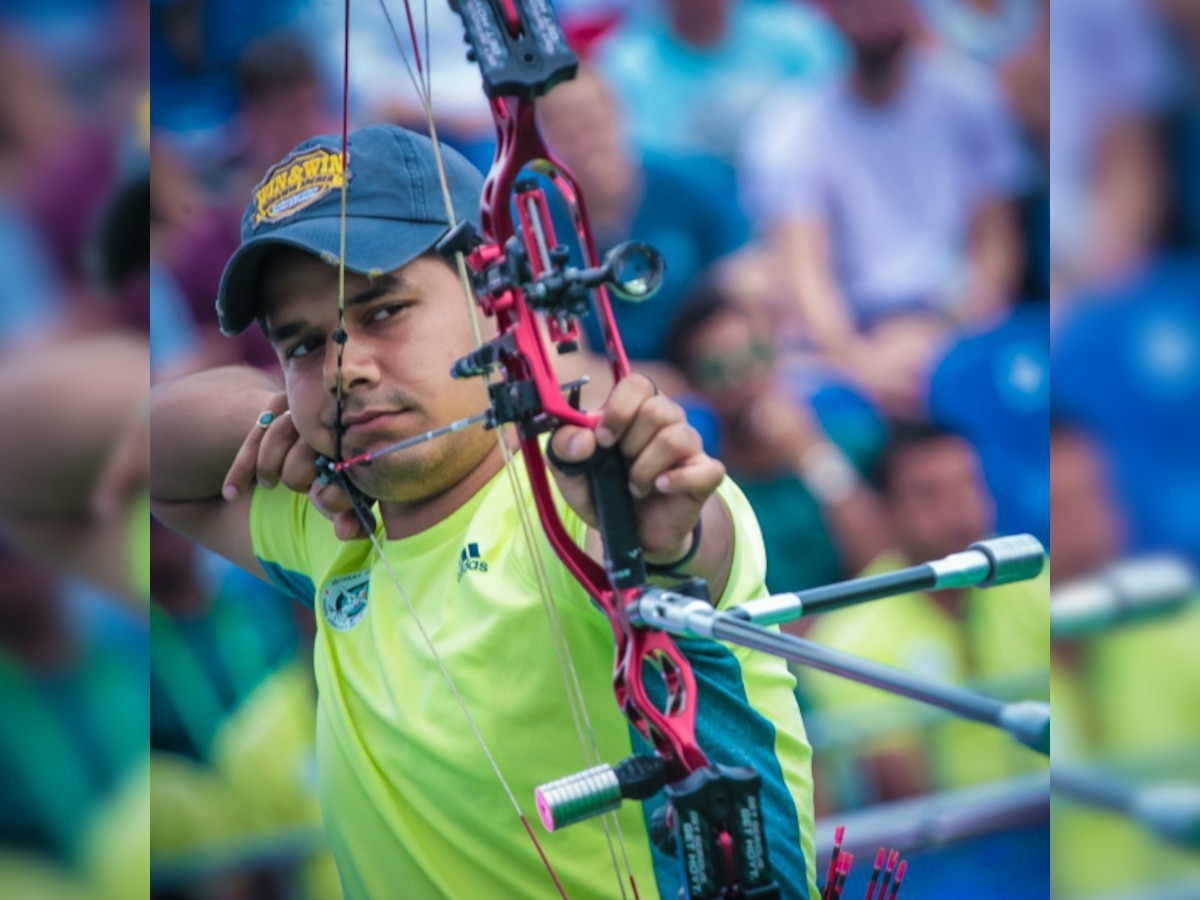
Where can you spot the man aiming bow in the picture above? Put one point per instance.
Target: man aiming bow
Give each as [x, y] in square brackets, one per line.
[441, 608]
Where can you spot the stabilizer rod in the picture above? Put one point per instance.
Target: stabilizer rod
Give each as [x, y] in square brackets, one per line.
[985, 563]
[1027, 721]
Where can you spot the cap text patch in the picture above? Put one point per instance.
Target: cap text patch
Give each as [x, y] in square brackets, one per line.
[296, 183]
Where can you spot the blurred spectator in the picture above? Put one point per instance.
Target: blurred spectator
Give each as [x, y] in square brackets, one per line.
[60, 160]
[116, 258]
[383, 66]
[232, 83]
[886, 197]
[993, 388]
[1109, 79]
[1026, 80]
[688, 74]
[232, 730]
[659, 199]
[194, 225]
[932, 494]
[73, 820]
[792, 462]
[80, 403]
[33, 294]
[31, 291]
[175, 344]
[282, 103]
[991, 31]
[1127, 699]
[195, 47]
[1086, 531]
[1127, 366]
[191, 236]
[1182, 125]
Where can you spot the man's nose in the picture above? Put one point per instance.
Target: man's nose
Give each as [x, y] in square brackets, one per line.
[352, 363]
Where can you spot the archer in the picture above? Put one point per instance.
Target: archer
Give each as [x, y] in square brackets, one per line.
[414, 794]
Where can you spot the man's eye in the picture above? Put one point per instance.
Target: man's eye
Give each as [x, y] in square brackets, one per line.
[304, 348]
[386, 312]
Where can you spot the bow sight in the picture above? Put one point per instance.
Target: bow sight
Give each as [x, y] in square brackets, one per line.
[632, 270]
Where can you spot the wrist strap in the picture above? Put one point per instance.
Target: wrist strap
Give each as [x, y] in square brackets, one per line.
[673, 568]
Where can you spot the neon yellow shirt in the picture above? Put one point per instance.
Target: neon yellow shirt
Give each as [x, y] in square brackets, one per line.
[1131, 702]
[1001, 637]
[410, 802]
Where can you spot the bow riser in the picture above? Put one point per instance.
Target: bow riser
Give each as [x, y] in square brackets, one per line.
[519, 145]
[521, 276]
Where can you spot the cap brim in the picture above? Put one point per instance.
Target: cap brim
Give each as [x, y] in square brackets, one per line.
[372, 246]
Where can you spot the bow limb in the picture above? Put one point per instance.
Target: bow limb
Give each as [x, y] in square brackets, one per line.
[515, 271]
[535, 351]
[521, 277]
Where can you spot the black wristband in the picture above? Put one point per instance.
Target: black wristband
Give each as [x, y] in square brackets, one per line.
[673, 568]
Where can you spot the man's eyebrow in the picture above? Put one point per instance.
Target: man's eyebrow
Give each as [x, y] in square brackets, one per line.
[379, 287]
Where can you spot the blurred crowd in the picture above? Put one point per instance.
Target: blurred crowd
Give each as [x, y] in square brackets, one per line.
[878, 250]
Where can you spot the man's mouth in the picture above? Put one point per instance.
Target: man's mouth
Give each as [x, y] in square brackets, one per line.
[371, 420]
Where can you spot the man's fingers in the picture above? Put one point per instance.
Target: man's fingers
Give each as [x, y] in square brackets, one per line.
[348, 527]
[669, 447]
[622, 407]
[281, 436]
[335, 505]
[245, 464]
[700, 475]
[299, 469]
[571, 443]
[329, 499]
[656, 415]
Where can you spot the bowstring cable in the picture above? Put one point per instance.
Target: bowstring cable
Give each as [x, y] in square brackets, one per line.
[363, 514]
[339, 336]
[421, 76]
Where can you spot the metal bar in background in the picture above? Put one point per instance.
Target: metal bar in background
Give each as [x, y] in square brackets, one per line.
[285, 848]
[942, 818]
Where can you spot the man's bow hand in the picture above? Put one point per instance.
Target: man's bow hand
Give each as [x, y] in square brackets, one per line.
[670, 476]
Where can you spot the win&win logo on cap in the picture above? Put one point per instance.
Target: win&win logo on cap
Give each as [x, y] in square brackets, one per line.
[395, 210]
[296, 183]
[469, 561]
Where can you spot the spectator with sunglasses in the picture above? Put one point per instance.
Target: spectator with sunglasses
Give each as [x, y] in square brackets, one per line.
[797, 458]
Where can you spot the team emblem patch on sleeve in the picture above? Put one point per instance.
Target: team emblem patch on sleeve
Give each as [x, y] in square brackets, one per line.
[344, 600]
[297, 183]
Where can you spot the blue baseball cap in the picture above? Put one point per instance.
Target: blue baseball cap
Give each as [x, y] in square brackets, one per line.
[395, 209]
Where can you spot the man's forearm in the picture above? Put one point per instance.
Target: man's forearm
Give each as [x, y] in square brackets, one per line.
[996, 259]
[806, 262]
[197, 424]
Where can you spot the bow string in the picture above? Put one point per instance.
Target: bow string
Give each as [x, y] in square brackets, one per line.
[514, 270]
